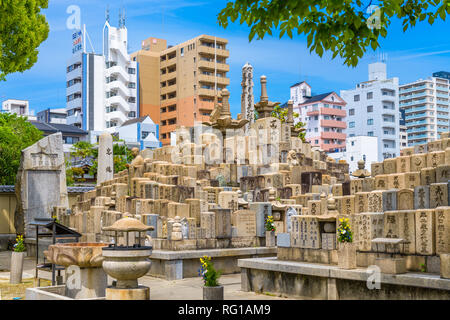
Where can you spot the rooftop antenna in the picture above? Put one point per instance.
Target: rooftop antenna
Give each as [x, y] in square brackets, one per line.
[107, 13]
[124, 15]
[120, 17]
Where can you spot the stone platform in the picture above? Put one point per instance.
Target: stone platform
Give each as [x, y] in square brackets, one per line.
[327, 282]
[174, 265]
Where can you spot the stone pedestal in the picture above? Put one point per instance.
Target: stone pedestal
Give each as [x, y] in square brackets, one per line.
[391, 265]
[270, 239]
[445, 265]
[139, 293]
[92, 283]
[16, 267]
[347, 255]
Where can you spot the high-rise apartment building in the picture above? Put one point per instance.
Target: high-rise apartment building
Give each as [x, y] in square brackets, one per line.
[178, 84]
[102, 91]
[373, 111]
[324, 115]
[426, 106]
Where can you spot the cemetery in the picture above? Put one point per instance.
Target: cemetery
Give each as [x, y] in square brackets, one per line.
[250, 194]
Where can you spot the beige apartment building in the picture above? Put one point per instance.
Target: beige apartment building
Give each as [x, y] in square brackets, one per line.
[177, 84]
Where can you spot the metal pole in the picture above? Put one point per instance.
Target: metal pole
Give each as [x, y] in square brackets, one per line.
[53, 263]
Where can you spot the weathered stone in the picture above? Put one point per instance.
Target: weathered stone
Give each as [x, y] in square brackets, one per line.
[405, 199]
[390, 200]
[40, 183]
[401, 224]
[438, 195]
[425, 234]
[422, 197]
[442, 230]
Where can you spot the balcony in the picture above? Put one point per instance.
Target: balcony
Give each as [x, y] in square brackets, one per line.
[417, 116]
[328, 146]
[213, 51]
[168, 115]
[211, 79]
[333, 135]
[333, 124]
[212, 66]
[75, 118]
[402, 90]
[168, 63]
[168, 89]
[206, 92]
[168, 76]
[327, 111]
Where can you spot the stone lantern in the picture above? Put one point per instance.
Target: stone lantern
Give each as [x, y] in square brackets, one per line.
[127, 263]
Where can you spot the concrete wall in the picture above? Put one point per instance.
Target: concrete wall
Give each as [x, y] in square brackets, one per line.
[326, 288]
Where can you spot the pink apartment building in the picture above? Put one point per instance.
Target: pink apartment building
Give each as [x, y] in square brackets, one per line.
[324, 115]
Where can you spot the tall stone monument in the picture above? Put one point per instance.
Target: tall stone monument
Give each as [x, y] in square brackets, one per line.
[105, 169]
[247, 97]
[40, 182]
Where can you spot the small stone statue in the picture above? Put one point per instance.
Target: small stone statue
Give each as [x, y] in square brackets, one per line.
[138, 160]
[176, 230]
[361, 172]
[292, 158]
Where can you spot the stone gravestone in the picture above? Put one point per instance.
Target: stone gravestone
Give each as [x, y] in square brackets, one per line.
[438, 195]
[105, 171]
[246, 223]
[40, 182]
[262, 210]
[390, 200]
[442, 230]
[425, 235]
[289, 213]
[422, 197]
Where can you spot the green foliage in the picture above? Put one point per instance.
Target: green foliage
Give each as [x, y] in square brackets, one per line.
[209, 274]
[282, 114]
[345, 234]
[270, 226]
[343, 27]
[423, 267]
[22, 29]
[19, 246]
[82, 149]
[16, 134]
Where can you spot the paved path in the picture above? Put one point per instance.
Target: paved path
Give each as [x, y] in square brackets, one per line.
[160, 289]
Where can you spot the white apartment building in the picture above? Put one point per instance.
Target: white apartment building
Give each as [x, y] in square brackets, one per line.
[358, 148]
[426, 106]
[373, 110]
[102, 91]
[19, 107]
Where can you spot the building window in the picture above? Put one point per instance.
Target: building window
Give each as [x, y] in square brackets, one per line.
[356, 97]
[132, 114]
[131, 70]
[351, 158]
[316, 141]
[369, 95]
[370, 133]
[132, 85]
[132, 99]
[145, 134]
[182, 52]
[370, 121]
[369, 108]
[351, 112]
[353, 143]
[351, 124]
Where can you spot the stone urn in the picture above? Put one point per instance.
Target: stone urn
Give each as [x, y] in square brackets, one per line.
[213, 293]
[16, 270]
[127, 263]
[270, 239]
[85, 278]
[347, 255]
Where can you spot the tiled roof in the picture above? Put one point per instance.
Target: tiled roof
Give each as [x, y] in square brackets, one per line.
[57, 127]
[11, 189]
[131, 121]
[318, 97]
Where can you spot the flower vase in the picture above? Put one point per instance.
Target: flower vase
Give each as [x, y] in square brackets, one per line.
[213, 293]
[270, 239]
[16, 267]
[347, 255]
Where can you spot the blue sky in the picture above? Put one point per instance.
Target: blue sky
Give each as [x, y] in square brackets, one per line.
[412, 55]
